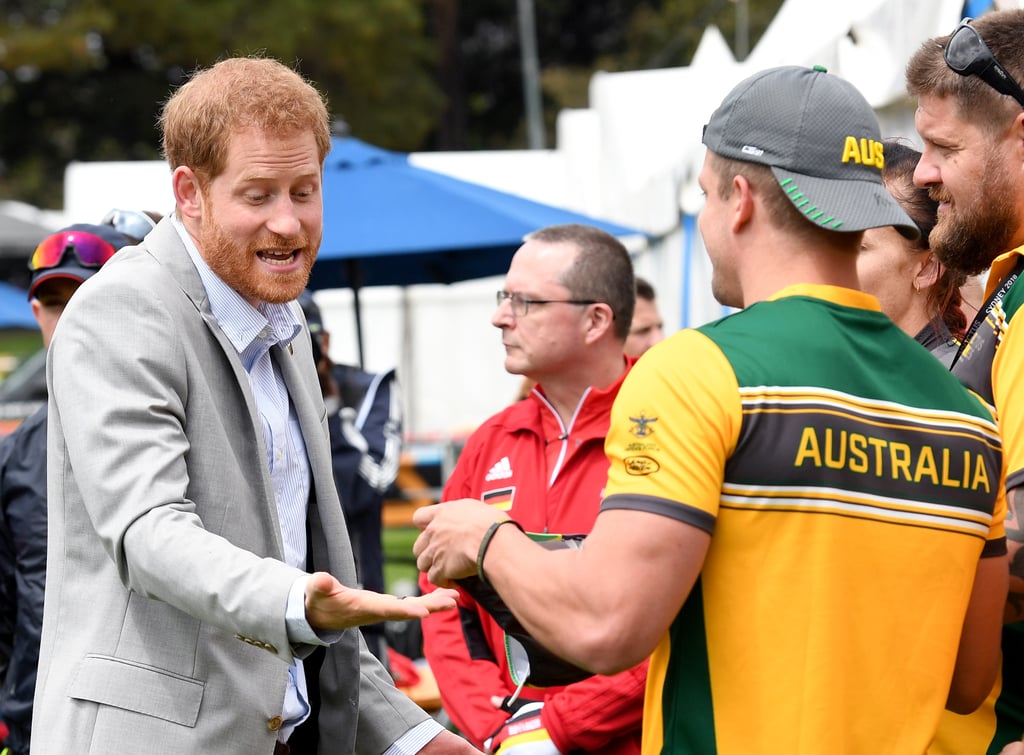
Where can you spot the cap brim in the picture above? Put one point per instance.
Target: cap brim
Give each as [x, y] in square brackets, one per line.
[67, 272]
[845, 205]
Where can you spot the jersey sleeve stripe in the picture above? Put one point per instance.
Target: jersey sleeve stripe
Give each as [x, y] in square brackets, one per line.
[663, 507]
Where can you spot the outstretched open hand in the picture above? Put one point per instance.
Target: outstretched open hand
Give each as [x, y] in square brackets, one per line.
[332, 606]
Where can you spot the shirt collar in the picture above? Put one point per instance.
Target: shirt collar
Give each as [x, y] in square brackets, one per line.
[1001, 267]
[241, 322]
[846, 297]
[594, 404]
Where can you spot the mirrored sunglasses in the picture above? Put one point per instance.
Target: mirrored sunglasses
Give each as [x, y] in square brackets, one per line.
[129, 222]
[91, 250]
[967, 54]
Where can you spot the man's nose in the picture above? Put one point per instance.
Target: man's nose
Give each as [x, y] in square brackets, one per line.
[285, 220]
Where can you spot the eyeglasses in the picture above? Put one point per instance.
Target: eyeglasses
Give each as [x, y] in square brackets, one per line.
[91, 250]
[966, 53]
[130, 223]
[521, 305]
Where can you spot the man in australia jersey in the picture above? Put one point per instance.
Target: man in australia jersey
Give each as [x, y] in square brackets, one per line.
[803, 520]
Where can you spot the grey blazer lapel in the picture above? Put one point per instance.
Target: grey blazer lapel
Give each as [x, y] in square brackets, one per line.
[167, 249]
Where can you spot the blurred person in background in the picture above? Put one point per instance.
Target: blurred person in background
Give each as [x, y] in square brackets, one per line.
[647, 327]
[917, 291]
[60, 264]
[364, 418]
[134, 224]
[24, 389]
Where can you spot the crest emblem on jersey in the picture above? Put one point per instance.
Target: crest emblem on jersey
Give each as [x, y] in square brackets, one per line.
[642, 425]
[640, 465]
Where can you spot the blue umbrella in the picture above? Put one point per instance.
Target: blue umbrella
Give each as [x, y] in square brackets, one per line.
[15, 311]
[389, 222]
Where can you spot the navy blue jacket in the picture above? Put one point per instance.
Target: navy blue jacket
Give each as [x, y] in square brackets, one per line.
[23, 537]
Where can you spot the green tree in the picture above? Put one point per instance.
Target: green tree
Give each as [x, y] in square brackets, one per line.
[85, 80]
[574, 39]
[667, 34]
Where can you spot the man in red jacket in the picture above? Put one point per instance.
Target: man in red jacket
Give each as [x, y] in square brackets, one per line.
[564, 315]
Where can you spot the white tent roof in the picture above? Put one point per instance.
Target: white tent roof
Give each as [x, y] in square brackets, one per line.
[651, 120]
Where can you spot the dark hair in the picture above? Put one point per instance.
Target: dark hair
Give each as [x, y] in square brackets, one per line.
[602, 270]
[644, 290]
[927, 72]
[943, 296]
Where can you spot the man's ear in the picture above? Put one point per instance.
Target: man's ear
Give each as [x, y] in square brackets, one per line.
[741, 203]
[599, 321]
[1018, 129]
[188, 193]
[928, 273]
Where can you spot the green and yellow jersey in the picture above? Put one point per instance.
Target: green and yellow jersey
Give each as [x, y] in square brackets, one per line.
[850, 485]
[991, 363]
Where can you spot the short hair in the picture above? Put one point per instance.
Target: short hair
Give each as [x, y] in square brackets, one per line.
[234, 94]
[784, 214]
[928, 74]
[644, 290]
[602, 270]
[944, 298]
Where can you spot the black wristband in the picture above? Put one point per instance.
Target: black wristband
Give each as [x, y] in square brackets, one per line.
[486, 542]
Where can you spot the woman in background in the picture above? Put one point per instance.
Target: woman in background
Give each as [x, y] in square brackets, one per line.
[917, 292]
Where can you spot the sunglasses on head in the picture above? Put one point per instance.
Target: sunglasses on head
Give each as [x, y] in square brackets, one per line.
[91, 250]
[129, 222]
[967, 54]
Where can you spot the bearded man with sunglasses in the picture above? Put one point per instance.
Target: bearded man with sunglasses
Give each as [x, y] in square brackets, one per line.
[60, 264]
[970, 117]
[197, 549]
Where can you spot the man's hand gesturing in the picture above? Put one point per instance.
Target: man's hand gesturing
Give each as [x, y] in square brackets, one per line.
[332, 606]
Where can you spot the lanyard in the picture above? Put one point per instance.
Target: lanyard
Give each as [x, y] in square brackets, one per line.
[993, 298]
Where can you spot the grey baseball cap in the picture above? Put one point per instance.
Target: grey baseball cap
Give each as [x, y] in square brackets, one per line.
[822, 141]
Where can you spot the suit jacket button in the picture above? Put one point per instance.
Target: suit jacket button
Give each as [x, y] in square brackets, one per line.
[274, 724]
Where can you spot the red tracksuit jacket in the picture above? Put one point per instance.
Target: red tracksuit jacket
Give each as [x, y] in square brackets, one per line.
[504, 463]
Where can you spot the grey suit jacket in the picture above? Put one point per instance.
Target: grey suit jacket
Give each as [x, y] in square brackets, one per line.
[164, 619]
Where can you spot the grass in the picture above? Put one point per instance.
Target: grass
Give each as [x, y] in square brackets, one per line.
[17, 345]
[400, 572]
